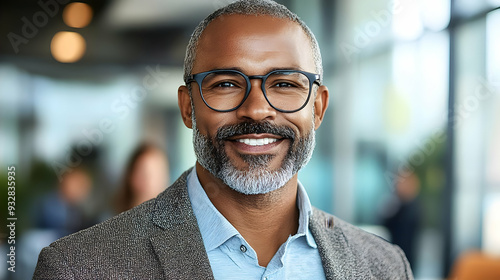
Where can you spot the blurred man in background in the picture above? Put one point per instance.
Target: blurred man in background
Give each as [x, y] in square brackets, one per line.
[401, 215]
[65, 211]
[254, 98]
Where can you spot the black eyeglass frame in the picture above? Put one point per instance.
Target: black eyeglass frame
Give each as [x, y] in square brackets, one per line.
[198, 78]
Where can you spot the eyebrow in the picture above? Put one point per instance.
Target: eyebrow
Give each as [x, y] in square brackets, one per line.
[266, 71]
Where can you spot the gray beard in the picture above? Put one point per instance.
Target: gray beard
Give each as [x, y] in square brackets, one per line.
[258, 179]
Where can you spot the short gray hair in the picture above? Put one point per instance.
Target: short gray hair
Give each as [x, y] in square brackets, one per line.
[250, 7]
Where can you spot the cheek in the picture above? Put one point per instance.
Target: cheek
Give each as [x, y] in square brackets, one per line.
[303, 121]
[208, 121]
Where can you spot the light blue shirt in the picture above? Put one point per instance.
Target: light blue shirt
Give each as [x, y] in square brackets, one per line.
[231, 257]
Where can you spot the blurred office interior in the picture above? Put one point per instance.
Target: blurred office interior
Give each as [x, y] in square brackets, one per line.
[414, 96]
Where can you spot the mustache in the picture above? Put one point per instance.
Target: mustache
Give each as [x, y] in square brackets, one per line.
[242, 128]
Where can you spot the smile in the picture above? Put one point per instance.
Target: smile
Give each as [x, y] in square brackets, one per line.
[257, 142]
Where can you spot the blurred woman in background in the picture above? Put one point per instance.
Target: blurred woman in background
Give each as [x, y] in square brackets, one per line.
[146, 175]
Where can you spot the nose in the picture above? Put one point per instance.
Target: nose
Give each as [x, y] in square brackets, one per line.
[256, 107]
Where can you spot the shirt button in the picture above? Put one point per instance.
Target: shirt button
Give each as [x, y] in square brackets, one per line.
[243, 248]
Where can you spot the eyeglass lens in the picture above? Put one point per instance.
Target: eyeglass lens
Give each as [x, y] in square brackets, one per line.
[285, 90]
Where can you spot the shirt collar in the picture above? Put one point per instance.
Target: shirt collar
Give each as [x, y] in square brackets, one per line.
[216, 229]
[305, 213]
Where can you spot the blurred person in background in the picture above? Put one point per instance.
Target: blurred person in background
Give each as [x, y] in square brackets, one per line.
[253, 97]
[66, 210]
[146, 175]
[401, 215]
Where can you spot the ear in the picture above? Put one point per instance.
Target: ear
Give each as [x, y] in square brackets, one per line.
[184, 101]
[320, 105]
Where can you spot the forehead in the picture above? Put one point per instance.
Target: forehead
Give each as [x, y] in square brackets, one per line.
[253, 44]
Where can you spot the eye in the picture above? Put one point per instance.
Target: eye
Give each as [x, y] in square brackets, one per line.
[225, 84]
[284, 84]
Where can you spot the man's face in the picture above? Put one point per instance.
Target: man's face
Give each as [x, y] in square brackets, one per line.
[254, 149]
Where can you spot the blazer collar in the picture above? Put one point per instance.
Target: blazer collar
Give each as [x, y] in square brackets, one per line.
[333, 247]
[177, 242]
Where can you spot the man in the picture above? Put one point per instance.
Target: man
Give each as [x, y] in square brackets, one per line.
[253, 97]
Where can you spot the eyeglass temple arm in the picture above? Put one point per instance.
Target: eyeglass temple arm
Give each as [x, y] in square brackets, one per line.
[189, 79]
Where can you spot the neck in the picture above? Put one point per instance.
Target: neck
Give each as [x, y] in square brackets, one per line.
[264, 220]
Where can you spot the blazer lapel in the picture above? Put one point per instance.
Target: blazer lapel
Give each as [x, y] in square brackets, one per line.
[335, 253]
[177, 241]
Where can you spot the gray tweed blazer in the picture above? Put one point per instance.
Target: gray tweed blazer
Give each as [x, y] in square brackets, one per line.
[160, 239]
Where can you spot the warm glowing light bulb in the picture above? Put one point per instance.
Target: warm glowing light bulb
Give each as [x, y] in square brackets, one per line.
[77, 15]
[67, 47]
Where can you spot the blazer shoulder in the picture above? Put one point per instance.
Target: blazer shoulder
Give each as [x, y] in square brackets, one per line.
[131, 222]
[365, 251]
[105, 247]
[352, 235]
[134, 223]
[154, 240]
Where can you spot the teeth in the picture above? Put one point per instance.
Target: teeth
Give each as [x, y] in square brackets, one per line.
[257, 142]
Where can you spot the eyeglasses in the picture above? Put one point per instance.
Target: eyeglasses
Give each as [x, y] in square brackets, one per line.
[286, 91]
